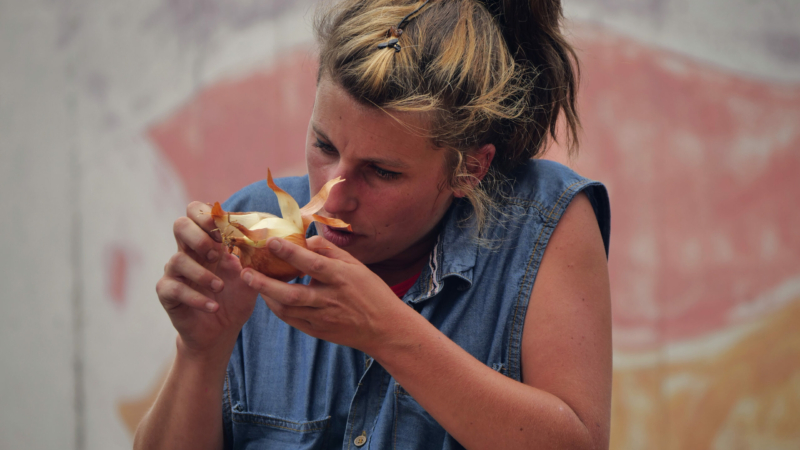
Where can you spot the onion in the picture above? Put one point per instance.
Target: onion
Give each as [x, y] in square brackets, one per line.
[246, 233]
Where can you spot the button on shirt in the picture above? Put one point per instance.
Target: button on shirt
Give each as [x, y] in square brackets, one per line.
[361, 440]
[287, 390]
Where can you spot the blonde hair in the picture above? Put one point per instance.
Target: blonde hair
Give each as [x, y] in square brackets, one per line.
[479, 72]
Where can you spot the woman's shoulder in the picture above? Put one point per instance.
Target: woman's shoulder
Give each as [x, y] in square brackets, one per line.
[545, 181]
[259, 197]
[550, 187]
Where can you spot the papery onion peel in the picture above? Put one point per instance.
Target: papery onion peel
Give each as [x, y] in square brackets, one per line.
[246, 233]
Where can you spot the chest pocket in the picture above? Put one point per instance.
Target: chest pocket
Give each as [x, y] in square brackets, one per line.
[262, 429]
[259, 431]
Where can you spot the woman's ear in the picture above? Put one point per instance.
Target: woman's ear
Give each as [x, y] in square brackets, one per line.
[477, 165]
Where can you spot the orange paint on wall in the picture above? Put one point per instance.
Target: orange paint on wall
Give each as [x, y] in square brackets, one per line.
[132, 411]
[744, 397]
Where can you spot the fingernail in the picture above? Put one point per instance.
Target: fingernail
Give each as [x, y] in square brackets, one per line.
[211, 306]
[216, 285]
[248, 278]
[212, 256]
[275, 245]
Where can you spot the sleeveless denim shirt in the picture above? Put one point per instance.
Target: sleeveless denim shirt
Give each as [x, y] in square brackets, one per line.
[287, 390]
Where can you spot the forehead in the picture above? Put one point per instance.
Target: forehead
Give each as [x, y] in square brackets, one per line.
[352, 125]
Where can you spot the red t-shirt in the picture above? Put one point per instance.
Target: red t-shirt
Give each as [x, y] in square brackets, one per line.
[401, 288]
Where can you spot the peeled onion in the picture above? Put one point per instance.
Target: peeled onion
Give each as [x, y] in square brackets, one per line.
[246, 233]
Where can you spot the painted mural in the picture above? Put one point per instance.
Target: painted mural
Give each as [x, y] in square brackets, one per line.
[705, 260]
[705, 253]
[690, 117]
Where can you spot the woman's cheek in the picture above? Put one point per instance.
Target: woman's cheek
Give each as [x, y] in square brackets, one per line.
[319, 169]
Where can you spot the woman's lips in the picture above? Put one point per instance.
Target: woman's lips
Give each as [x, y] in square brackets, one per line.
[338, 237]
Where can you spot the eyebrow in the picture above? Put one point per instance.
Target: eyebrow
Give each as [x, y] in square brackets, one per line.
[392, 162]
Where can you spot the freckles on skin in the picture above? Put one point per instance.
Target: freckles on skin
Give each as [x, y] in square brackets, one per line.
[404, 217]
[393, 217]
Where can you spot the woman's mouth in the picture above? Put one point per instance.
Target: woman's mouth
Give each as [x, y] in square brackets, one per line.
[338, 236]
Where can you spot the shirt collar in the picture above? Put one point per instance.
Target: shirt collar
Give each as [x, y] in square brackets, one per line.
[453, 257]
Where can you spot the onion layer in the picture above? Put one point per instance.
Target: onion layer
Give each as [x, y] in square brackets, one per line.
[246, 233]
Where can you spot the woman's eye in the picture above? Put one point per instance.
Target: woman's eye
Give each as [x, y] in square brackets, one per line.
[385, 174]
[325, 147]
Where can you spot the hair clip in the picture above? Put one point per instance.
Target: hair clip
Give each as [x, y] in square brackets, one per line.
[391, 43]
[397, 30]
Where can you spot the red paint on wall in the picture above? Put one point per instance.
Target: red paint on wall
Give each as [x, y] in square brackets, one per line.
[701, 165]
[702, 168]
[231, 131]
[118, 266]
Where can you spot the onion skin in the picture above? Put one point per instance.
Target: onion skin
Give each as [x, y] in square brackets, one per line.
[250, 244]
[262, 260]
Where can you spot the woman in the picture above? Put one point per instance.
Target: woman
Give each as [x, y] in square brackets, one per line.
[432, 121]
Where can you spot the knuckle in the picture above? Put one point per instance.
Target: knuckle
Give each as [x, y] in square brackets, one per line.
[255, 283]
[193, 206]
[175, 260]
[202, 247]
[160, 287]
[206, 278]
[190, 233]
[176, 291]
[204, 243]
[329, 303]
[294, 298]
[328, 319]
[166, 289]
[171, 291]
[180, 224]
[286, 251]
[318, 265]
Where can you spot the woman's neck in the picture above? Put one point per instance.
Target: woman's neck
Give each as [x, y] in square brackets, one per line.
[408, 263]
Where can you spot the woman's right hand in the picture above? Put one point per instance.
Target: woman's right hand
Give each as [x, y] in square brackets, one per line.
[202, 290]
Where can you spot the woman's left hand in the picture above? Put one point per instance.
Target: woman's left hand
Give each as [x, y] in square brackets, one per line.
[345, 303]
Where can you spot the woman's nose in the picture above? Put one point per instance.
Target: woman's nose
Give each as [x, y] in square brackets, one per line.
[343, 197]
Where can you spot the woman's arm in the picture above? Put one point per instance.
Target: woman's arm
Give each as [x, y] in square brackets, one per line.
[564, 401]
[207, 302]
[566, 341]
[188, 411]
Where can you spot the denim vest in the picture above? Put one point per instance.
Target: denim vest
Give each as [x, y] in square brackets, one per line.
[287, 390]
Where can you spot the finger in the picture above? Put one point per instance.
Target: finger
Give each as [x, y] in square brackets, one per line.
[324, 247]
[317, 266]
[229, 267]
[296, 316]
[180, 265]
[200, 213]
[191, 238]
[173, 293]
[290, 295]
